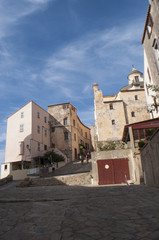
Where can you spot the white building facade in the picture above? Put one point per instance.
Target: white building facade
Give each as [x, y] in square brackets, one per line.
[150, 41]
[28, 138]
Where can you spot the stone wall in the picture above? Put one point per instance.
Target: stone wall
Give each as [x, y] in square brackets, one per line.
[150, 160]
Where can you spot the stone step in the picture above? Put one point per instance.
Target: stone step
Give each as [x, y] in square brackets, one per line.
[73, 167]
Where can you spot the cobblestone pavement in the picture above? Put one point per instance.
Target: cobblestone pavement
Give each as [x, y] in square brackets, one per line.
[79, 213]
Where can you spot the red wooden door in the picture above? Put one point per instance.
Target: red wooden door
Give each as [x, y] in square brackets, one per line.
[105, 172]
[121, 170]
[111, 171]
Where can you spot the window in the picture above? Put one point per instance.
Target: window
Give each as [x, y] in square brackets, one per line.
[38, 129]
[113, 122]
[86, 146]
[45, 147]
[53, 129]
[149, 26]
[5, 167]
[21, 128]
[45, 132]
[38, 146]
[110, 106]
[65, 106]
[136, 97]
[81, 132]
[65, 135]
[85, 134]
[136, 78]
[74, 123]
[156, 52]
[45, 119]
[22, 114]
[75, 136]
[53, 145]
[148, 72]
[65, 121]
[38, 115]
[133, 114]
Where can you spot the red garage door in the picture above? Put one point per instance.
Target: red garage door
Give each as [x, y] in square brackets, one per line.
[113, 171]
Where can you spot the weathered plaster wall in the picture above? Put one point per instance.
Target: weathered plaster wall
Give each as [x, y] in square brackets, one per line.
[139, 106]
[111, 116]
[150, 160]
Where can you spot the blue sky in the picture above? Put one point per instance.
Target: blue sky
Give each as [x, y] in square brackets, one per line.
[52, 51]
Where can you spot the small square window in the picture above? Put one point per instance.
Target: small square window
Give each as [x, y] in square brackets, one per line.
[38, 146]
[136, 78]
[45, 132]
[75, 136]
[65, 106]
[111, 106]
[22, 114]
[136, 97]
[113, 122]
[65, 135]
[53, 129]
[45, 147]
[5, 167]
[65, 121]
[133, 114]
[38, 129]
[21, 128]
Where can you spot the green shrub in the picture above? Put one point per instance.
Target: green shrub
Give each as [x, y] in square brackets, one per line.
[53, 157]
[141, 144]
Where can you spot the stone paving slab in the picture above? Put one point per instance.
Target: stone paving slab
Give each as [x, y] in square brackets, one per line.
[79, 213]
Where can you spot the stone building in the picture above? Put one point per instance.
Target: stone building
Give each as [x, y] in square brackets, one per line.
[113, 112]
[150, 41]
[68, 133]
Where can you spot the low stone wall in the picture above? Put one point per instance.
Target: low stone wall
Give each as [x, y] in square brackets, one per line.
[5, 180]
[74, 179]
[111, 145]
[150, 160]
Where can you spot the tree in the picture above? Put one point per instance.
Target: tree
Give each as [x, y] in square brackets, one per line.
[51, 156]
